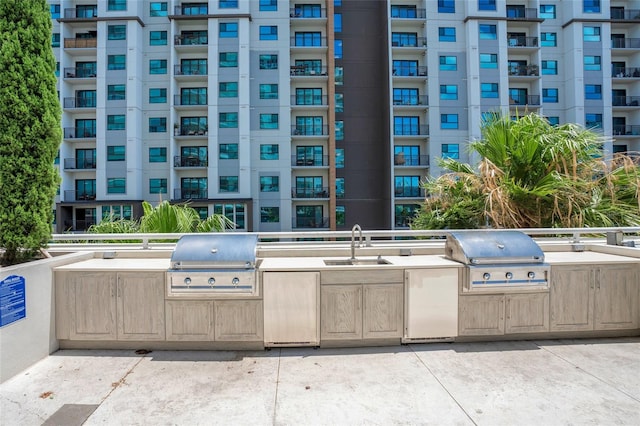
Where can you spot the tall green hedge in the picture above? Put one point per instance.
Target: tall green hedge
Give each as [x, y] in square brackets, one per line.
[30, 130]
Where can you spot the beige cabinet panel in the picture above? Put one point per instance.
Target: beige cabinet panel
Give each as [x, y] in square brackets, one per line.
[238, 320]
[616, 297]
[571, 298]
[189, 320]
[527, 313]
[140, 306]
[63, 290]
[92, 305]
[481, 315]
[341, 312]
[383, 310]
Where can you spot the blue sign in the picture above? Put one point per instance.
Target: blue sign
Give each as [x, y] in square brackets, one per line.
[12, 300]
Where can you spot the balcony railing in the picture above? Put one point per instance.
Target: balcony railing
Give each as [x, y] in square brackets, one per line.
[409, 192]
[524, 70]
[79, 73]
[310, 192]
[409, 100]
[625, 73]
[310, 222]
[81, 13]
[626, 130]
[401, 159]
[72, 133]
[520, 13]
[310, 160]
[190, 131]
[311, 13]
[626, 101]
[179, 100]
[309, 100]
[625, 43]
[411, 130]
[522, 41]
[71, 195]
[420, 71]
[408, 13]
[524, 100]
[190, 194]
[302, 70]
[625, 14]
[416, 42]
[195, 10]
[310, 130]
[191, 40]
[311, 42]
[190, 69]
[80, 43]
[79, 103]
[79, 164]
[189, 161]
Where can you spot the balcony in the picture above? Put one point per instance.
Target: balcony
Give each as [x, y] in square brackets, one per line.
[626, 101]
[190, 131]
[80, 43]
[308, 71]
[409, 192]
[193, 9]
[190, 69]
[522, 41]
[524, 70]
[410, 42]
[399, 12]
[78, 72]
[310, 161]
[307, 12]
[307, 193]
[79, 133]
[420, 100]
[310, 222]
[411, 130]
[625, 43]
[310, 130]
[190, 194]
[71, 103]
[80, 13]
[515, 100]
[520, 14]
[191, 40]
[198, 100]
[403, 160]
[71, 195]
[624, 15]
[79, 164]
[311, 43]
[411, 71]
[189, 161]
[626, 73]
[627, 130]
[309, 100]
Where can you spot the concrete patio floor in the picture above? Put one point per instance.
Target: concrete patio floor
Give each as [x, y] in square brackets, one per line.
[561, 382]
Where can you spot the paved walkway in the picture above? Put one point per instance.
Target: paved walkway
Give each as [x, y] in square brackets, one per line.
[507, 383]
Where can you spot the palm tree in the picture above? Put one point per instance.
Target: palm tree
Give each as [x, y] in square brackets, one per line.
[533, 174]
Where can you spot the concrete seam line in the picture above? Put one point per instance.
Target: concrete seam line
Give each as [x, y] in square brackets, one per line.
[275, 399]
[122, 380]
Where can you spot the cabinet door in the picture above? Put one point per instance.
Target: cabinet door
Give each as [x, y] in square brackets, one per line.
[571, 298]
[140, 306]
[616, 297]
[189, 320]
[291, 314]
[238, 320]
[527, 313]
[341, 312]
[93, 306]
[383, 309]
[481, 315]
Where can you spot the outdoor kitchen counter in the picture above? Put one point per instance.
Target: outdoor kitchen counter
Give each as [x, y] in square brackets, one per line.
[588, 257]
[317, 263]
[110, 265]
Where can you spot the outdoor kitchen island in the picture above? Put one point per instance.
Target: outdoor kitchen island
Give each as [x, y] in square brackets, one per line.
[125, 302]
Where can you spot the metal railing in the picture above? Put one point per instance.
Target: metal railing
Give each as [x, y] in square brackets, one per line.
[626, 14]
[310, 160]
[312, 223]
[81, 13]
[79, 72]
[309, 100]
[310, 130]
[520, 13]
[190, 69]
[76, 164]
[626, 101]
[419, 71]
[191, 40]
[620, 72]
[190, 194]
[189, 161]
[410, 160]
[625, 43]
[73, 133]
[522, 41]
[195, 100]
[411, 130]
[190, 131]
[310, 192]
[413, 42]
[301, 41]
[79, 102]
[409, 100]
[302, 70]
[71, 195]
[524, 100]
[626, 130]
[524, 70]
[307, 13]
[408, 13]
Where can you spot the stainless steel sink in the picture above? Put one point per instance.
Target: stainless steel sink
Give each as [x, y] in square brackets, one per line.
[355, 262]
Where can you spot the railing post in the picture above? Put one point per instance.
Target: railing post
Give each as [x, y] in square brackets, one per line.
[145, 243]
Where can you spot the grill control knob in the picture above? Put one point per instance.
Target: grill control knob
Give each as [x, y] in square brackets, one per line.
[486, 276]
[531, 275]
[235, 281]
[211, 281]
[187, 281]
[508, 275]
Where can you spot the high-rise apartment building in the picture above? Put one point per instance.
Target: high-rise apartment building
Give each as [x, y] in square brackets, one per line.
[317, 114]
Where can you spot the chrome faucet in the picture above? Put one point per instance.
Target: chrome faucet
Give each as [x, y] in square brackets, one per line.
[353, 240]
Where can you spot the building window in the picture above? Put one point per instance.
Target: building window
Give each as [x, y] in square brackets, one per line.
[157, 66]
[309, 96]
[592, 63]
[488, 32]
[157, 96]
[269, 184]
[117, 5]
[590, 33]
[228, 89]
[339, 75]
[54, 10]
[549, 67]
[547, 11]
[548, 39]
[157, 38]
[268, 121]
[591, 6]
[593, 91]
[448, 63]
[55, 40]
[446, 6]
[228, 4]
[116, 92]
[339, 130]
[404, 39]
[157, 155]
[404, 213]
[116, 185]
[116, 122]
[407, 186]
[228, 183]
[488, 60]
[337, 49]
[193, 125]
[228, 30]
[554, 121]
[451, 150]
[489, 90]
[337, 22]
[268, 5]
[157, 124]
[116, 62]
[406, 125]
[339, 102]
[228, 151]
[405, 68]
[85, 128]
[446, 34]
[116, 153]
[117, 212]
[404, 11]
[308, 38]
[234, 212]
[157, 186]
[550, 95]
[486, 4]
[269, 152]
[158, 8]
[407, 155]
[193, 66]
[269, 32]
[593, 121]
[228, 59]
[268, 62]
[228, 120]
[448, 121]
[117, 32]
[448, 92]
[339, 158]
[193, 187]
[268, 91]
[193, 96]
[269, 214]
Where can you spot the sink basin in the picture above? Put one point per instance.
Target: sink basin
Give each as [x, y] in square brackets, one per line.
[354, 262]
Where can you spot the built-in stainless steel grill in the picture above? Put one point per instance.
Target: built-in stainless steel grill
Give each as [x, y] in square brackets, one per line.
[213, 263]
[502, 259]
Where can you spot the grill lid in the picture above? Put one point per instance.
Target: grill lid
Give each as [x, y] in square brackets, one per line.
[215, 251]
[491, 247]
